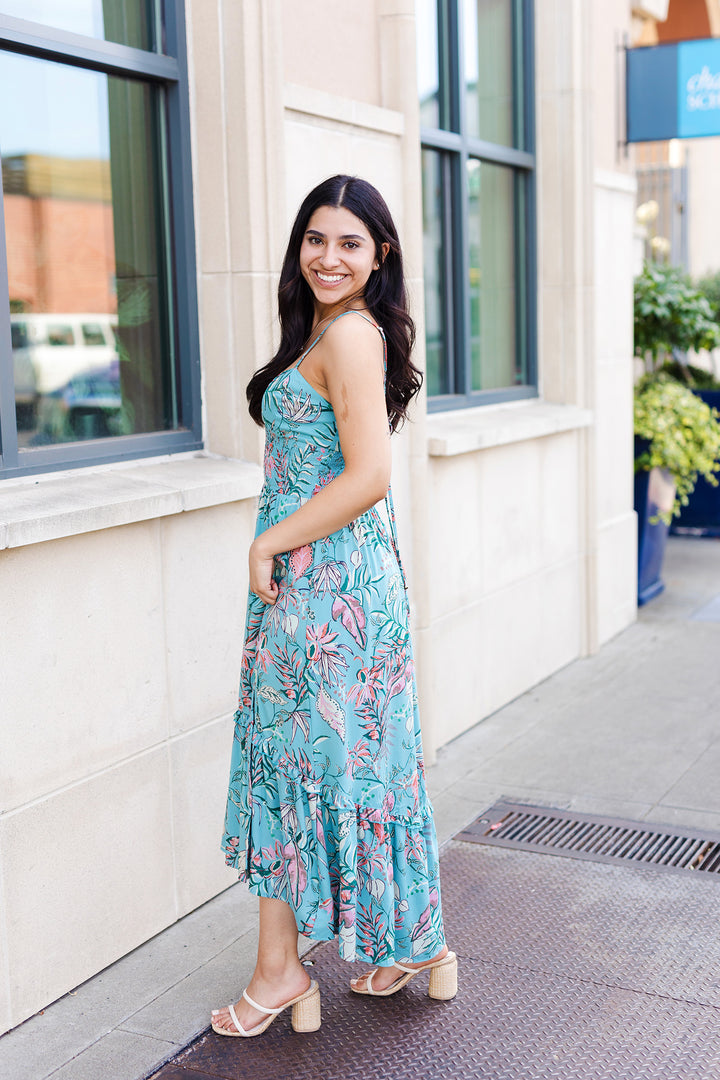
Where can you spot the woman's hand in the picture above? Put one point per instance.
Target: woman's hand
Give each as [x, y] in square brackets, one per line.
[261, 566]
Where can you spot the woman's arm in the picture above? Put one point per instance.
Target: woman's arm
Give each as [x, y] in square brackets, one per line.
[350, 367]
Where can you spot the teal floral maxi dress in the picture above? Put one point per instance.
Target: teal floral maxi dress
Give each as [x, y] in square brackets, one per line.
[327, 807]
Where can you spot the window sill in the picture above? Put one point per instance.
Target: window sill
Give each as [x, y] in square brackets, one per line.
[464, 430]
[48, 508]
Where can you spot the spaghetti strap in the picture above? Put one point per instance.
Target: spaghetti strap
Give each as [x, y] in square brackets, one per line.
[350, 311]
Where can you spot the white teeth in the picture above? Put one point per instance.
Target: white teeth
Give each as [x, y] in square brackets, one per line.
[330, 278]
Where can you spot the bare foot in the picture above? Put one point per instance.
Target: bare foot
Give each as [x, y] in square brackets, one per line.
[269, 992]
[386, 976]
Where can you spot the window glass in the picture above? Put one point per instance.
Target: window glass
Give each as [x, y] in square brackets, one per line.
[492, 275]
[93, 334]
[491, 97]
[19, 335]
[434, 274]
[428, 62]
[127, 22]
[60, 334]
[84, 222]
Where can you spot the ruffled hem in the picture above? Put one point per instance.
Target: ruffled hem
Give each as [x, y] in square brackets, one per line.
[372, 883]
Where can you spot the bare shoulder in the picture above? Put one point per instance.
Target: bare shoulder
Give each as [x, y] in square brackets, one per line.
[353, 335]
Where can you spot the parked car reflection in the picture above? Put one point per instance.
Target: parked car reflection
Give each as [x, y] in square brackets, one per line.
[66, 374]
[48, 350]
[88, 406]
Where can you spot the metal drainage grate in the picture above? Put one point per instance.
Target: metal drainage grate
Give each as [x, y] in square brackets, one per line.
[597, 839]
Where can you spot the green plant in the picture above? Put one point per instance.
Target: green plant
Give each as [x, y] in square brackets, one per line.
[709, 286]
[683, 435]
[670, 313]
[691, 375]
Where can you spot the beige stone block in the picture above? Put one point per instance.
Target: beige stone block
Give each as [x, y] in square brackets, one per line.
[88, 875]
[616, 576]
[199, 771]
[400, 9]
[327, 46]
[82, 675]
[456, 522]
[559, 522]
[614, 454]
[488, 654]
[510, 545]
[319, 148]
[528, 631]
[458, 697]
[223, 392]
[377, 158]
[551, 343]
[315, 150]
[552, 210]
[5, 1012]
[546, 34]
[253, 81]
[613, 273]
[205, 582]
[254, 321]
[209, 137]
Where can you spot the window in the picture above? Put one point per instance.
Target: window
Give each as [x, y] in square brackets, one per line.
[98, 321]
[475, 83]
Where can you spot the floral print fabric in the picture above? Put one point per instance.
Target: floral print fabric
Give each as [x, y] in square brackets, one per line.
[327, 807]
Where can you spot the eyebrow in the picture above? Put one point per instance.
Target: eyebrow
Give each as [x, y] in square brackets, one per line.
[348, 236]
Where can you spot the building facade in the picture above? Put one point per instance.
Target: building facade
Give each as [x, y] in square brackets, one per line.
[166, 162]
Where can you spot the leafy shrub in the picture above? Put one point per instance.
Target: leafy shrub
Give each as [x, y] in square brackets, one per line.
[709, 286]
[683, 433]
[670, 313]
[691, 375]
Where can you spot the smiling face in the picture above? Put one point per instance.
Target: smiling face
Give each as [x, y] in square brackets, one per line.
[337, 257]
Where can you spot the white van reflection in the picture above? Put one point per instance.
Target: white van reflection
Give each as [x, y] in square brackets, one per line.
[66, 374]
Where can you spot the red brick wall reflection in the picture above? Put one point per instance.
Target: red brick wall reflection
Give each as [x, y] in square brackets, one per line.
[61, 254]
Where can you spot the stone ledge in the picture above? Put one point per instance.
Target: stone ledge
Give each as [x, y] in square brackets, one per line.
[465, 430]
[306, 100]
[50, 507]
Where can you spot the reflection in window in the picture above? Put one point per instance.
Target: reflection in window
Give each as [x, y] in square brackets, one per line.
[434, 274]
[127, 22]
[492, 276]
[492, 92]
[427, 62]
[88, 282]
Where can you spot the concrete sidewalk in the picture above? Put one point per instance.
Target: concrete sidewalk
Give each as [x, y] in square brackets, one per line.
[633, 731]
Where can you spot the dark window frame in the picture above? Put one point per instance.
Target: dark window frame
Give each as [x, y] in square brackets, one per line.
[455, 147]
[169, 70]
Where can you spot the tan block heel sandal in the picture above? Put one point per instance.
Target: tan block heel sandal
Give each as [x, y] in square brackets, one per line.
[305, 1014]
[443, 979]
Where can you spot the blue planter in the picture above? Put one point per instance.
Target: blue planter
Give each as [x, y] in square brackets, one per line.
[654, 490]
[702, 514]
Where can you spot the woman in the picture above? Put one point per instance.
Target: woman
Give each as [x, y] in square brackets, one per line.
[328, 820]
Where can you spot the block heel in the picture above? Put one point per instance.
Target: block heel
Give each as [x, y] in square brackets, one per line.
[443, 979]
[305, 1014]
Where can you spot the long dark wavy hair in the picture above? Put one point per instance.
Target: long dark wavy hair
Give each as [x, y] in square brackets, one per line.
[385, 296]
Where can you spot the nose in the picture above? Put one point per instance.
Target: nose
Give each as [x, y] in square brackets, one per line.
[330, 256]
